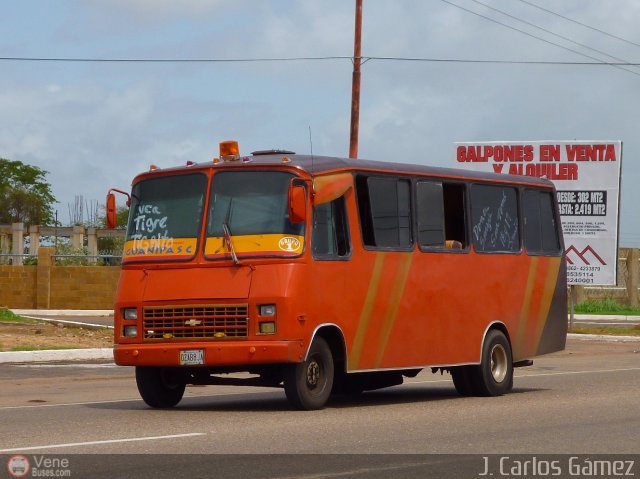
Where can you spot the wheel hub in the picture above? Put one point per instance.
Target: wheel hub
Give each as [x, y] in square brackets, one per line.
[498, 363]
[313, 374]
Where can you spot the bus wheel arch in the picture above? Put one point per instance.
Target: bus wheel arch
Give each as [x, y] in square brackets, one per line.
[334, 338]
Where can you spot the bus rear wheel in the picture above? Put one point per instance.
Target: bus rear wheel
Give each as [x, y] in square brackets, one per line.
[160, 387]
[494, 376]
[308, 384]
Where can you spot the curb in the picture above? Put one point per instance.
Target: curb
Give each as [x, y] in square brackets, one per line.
[66, 322]
[50, 355]
[610, 317]
[63, 312]
[605, 338]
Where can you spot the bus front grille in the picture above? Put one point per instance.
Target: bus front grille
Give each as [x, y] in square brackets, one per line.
[217, 321]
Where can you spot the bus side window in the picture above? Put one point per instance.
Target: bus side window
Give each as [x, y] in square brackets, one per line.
[330, 231]
[440, 215]
[430, 212]
[494, 214]
[540, 227]
[384, 204]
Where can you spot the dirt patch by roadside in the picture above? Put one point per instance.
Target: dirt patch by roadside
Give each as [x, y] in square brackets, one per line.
[17, 336]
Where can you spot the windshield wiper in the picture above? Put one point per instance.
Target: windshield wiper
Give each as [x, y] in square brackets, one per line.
[229, 242]
[227, 235]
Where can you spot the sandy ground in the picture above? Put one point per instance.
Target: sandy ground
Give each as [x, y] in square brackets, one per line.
[29, 336]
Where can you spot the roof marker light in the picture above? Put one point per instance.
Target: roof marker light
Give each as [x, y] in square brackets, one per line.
[153, 168]
[286, 159]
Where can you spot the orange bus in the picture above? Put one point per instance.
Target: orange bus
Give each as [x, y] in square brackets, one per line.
[327, 275]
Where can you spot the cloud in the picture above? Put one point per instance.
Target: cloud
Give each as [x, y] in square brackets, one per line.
[78, 134]
[96, 126]
[159, 11]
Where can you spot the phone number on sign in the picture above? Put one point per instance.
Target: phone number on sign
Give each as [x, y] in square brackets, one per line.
[582, 276]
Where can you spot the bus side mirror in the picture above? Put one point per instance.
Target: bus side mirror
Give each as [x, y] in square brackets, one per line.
[111, 211]
[297, 203]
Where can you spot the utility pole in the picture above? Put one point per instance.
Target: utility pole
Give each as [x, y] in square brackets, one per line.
[355, 86]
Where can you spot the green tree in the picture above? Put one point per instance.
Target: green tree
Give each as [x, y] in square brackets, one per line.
[25, 195]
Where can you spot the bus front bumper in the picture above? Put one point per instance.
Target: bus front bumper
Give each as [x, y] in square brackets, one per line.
[209, 353]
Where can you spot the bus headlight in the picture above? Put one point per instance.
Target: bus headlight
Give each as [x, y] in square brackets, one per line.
[267, 310]
[130, 314]
[267, 327]
[130, 331]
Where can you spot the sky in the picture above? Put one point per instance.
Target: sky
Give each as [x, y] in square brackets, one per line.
[95, 125]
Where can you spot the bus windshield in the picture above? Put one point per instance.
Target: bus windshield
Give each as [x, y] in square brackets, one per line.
[248, 216]
[165, 218]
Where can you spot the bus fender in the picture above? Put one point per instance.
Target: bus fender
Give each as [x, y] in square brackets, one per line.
[334, 337]
[500, 326]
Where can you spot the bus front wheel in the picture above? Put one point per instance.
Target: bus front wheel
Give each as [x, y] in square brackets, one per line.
[159, 387]
[308, 384]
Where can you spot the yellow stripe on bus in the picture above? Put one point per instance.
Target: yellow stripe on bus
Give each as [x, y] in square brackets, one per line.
[365, 315]
[526, 305]
[391, 312]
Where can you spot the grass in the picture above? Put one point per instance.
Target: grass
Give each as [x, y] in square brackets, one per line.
[9, 316]
[605, 306]
[606, 330]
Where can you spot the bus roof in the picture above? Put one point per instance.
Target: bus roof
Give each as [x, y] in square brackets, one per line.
[318, 165]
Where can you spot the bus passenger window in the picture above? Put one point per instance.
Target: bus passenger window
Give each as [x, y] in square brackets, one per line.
[440, 215]
[494, 214]
[430, 211]
[330, 231]
[384, 205]
[541, 234]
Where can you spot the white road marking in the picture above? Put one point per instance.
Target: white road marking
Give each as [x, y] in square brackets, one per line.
[88, 403]
[578, 372]
[108, 441]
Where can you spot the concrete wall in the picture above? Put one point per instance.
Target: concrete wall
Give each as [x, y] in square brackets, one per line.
[47, 286]
[83, 287]
[17, 286]
[628, 276]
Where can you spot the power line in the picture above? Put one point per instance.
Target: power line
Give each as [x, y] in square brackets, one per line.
[169, 60]
[555, 34]
[539, 38]
[597, 63]
[580, 23]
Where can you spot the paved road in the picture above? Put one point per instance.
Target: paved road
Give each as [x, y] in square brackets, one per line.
[585, 399]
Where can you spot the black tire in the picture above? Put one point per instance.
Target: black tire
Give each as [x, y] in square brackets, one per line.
[494, 376]
[463, 380]
[308, 384]
[160, 387]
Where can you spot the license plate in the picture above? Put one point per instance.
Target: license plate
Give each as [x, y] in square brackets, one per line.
[192, 357]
